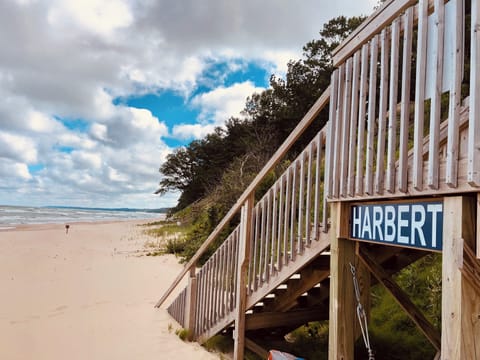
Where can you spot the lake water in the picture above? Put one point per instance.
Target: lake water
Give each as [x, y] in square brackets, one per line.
[20, 215]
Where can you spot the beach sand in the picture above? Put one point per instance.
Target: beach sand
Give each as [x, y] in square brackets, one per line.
[86, 295]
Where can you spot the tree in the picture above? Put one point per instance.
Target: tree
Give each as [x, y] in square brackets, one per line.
[198, 168]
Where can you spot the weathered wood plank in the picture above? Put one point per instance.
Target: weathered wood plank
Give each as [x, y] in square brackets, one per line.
[256, 248]
[460, 302]
[330, 148]
[420, 75]
[392, 107]
[473, 174]
[301, 203]
[341, 337]
[268, 236]
[382, 113]
[353, 124]
[308, 200]
[405, 101]
[241, 289]
[478, 226]
[293, 212]
[400, 297]
[372, 94]
[273, 256]
[345, 139]
[451, 177]
[317, 202]
[286, 233]
[338, 132]
[361, 122]
[281, 211]
[435, 107]
[191, 302]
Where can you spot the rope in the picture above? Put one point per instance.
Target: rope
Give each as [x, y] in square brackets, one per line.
[362, 316]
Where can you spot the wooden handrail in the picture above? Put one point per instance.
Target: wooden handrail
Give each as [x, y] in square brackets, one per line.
[274, 160]
[370, 27]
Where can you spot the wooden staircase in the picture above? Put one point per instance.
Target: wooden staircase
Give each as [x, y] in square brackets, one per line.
[286, 263]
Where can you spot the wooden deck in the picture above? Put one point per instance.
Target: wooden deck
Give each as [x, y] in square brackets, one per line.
[404, 124]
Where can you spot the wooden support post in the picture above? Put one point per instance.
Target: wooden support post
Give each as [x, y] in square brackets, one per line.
[342, 299]
[242, 278]
[191, 303]
[478, 226]
[460, 301]
[257, 349]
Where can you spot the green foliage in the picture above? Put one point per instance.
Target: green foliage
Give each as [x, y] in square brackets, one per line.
[220, 343]
[183, 334]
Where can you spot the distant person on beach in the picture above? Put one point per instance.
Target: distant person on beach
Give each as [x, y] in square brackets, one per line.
[66, 228]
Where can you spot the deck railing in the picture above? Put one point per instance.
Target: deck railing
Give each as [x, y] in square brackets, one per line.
[399, 125]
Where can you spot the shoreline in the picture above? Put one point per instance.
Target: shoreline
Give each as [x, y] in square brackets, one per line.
[88, 294]
[55, 225]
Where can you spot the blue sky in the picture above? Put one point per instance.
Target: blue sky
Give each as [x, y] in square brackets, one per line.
[95, 94]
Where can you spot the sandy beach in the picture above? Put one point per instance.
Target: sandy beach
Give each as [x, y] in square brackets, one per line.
[87, 294]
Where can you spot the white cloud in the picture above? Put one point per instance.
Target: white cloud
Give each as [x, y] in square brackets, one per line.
[223, 102]
[192, 131]
[18, 148]
[70, 59]
[100, 17]
[14, 171]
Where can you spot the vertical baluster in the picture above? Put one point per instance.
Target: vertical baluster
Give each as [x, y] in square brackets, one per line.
[347, 104]
[196, 329]
[331, 133]
[281, 210]
[420, 95]
[235, 265]
[216, 287]
[382, 116]
[392, 107]
[223, 271]
[262, 243]
[203, 308]
[353, 124]
[473, 173]
[256, 247]
[308, 200]
[372, 93]
[317, 191]
[337, 135]
[252, 244]
[435, 108]
[473, 170]
[405, 100]
[231, 271]
[301, 202]
[361, 122]
[268, 237]
[251, 269]
[286, 232]
[211, 308]
[293, 211]
[209, 295]
[273, 259]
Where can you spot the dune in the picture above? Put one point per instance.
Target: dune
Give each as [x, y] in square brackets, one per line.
[88, 294]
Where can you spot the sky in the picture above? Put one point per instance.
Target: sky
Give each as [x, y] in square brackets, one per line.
[95, 94]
